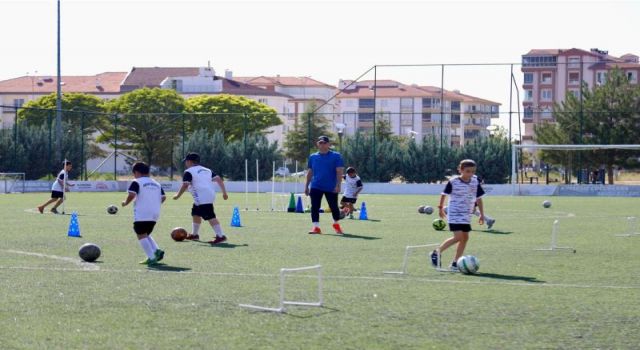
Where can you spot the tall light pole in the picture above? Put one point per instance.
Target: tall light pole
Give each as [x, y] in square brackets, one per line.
[340, 127]
[58, 155]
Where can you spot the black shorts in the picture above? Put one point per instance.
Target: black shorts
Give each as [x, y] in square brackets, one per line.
[348, 200]
[204, 211]
[460, 227]
[143, 227]
[57, 194]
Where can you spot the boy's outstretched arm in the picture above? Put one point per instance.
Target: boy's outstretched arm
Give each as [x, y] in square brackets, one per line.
[441, 207]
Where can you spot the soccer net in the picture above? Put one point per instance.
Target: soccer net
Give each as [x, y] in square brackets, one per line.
[572, 164]
[12, 182]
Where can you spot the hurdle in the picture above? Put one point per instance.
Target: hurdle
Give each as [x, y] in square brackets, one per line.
[283, 302]
[554, 238]
[405, 261]
[632, 227]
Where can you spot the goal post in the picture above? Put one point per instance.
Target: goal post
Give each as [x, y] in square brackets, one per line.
[12, 182]
[535, 147]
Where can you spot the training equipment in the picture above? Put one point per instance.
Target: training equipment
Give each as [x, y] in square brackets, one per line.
[468, 264]
[554, 238]
[632, 227]
[112, 209]
[292, 204]
[282, 306]
[439, 224]
[428, 210]
[89, 252]
[421, 209]
[405, 261]
[12, 182]
[299, 207]
[74, 226]
[546, 204]
[179, 234]
[363, 212]
[235, 218]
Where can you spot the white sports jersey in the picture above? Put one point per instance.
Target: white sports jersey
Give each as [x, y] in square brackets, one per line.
[149, 195]
[351, 186]
[200, 184]
[462, 199]
[62, 175]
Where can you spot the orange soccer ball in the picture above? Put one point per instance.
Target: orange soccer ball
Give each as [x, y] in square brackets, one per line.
[178, 234]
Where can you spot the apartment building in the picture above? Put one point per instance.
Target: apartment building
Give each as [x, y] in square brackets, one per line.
[414, 111]
[551, 74]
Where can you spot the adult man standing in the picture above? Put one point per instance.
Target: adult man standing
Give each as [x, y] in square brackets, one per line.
[324, 176]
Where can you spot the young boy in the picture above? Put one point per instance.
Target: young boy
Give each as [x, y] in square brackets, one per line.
[61, 185]
[464, 192]
[149, 196]
[353, 186]
[199, 180]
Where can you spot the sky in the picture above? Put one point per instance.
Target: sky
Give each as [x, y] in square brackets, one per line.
[326, 40]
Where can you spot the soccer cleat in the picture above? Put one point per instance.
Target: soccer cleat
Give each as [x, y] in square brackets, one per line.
[159, 253]
[315, 231]
[54, 210]
[337, 228]
[193, 237]
[41, 210]
[219, 240]
[149, 262]
[435, 259]
[490, 223]
[454, 267]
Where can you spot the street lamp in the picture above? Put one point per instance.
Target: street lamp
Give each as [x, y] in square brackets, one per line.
[413, 134]
[340, 127]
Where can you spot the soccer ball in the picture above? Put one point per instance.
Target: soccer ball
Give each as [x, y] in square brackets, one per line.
[468, 264]
[546, 204]
[179, 234]
[112, 209]
[428, 210]
[421, 209]
[89, 252]
[438, 224]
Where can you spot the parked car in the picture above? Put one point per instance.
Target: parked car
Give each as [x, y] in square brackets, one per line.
[283, 171]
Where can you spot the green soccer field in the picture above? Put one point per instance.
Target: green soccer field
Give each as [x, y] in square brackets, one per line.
[521, 298]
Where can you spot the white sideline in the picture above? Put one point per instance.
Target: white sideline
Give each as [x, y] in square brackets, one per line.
[84, 265]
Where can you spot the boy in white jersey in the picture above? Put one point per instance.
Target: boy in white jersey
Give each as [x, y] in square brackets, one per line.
[464, 193]
[353, 186]
[199, 180]
[149, 196]
[58, 188]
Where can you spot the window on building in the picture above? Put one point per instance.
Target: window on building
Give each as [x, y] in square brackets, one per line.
[528, 112]
[430, 102]
[574, 62]
[406, 119]
[18, 102]
[406, 103]
[528, 95]
[426, 117]
[263, 101]
[365, 117]
[455, 105]
[366, 103]
[546, 95]
[632, 76]
[574, 77]
[546, 113]
[455, 119]
[384, 102]
[546, 78]
[575, 93]
[528, 78]
[601, 77]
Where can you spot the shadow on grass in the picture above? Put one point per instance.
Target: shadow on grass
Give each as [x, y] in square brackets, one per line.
[222, 245]
[507, 277]
[309, 312]
[495, 232]
[349, 235]
[168, 268]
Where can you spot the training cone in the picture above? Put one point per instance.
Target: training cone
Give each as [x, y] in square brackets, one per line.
[292, 204]
[235, 218]
[299, 208]
[363, 212]
[74, 226]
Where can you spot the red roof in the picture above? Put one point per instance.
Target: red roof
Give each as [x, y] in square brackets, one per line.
[282, 81]
[103, 83]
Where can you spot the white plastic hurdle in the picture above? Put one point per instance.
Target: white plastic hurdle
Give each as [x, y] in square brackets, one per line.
[405, 261]
[282, 306]
[632, 227]
[554, 239]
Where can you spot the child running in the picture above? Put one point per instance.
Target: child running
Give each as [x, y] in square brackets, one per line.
[353, 186]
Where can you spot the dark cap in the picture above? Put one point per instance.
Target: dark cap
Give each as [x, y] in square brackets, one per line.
[323, 138]
[194, 157]
[350, 170]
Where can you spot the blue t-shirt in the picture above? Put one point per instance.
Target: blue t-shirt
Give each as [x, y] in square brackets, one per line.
[324, 170]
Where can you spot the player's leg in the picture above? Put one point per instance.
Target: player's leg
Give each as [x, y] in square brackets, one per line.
[210, 216]
[196, 220]
[316, 201]
[41, 207]
[463, 238]
[142, 230]
[332, 200]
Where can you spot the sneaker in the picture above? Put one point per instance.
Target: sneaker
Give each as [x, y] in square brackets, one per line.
[219, 240]
[193, 237]
[454, 267]
[315, 231]
[159, 253]
[435, 258]
[149, 262]
[41, 210]
[337, 228]
[490, 223]
[54, 210]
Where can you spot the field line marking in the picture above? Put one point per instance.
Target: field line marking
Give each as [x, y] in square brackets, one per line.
[83, 265]
[368, 278]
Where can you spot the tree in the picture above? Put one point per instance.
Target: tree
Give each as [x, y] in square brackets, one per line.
[492, 154]
[234, 116]
[382, 166]
[427, 161]
[212, 149]
[300, 142]
[148, 123]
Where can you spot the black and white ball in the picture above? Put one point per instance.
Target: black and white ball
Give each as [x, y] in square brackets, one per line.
[112, 209]
[546, 204]
[428, 210]
[421, 209]
[89, 252]
[468, 264]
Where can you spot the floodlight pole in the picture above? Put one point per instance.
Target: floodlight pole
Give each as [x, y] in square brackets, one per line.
[58, 100]
[442, 167]
[375, 81]
[511, 82]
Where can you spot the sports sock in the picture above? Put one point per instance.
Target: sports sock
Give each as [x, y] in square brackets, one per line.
[148, 249]
[316, 224]
[154, 245]
[218, 230]
[195, 228]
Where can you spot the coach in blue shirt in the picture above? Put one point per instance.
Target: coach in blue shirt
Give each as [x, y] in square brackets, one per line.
[324, 177]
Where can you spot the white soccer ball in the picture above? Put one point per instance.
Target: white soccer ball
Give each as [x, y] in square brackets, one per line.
[428, 210]
[546, 204]
[112, 209]
[468, 264]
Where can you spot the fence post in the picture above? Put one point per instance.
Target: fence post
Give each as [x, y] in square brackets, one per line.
[49, 121]
[244, 132]
[115, 146]
[15, 136]
[82, 161]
